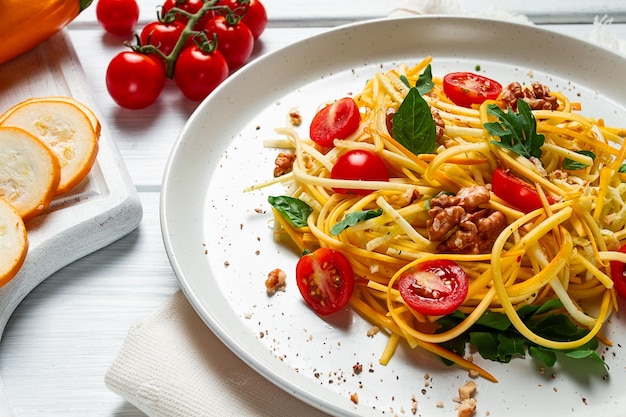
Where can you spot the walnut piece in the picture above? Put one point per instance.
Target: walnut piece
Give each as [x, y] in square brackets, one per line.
[276, 281]
[537, 96]
[283, 164]
[461, 224]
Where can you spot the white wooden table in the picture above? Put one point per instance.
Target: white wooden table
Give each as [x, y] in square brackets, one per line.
[64, 335]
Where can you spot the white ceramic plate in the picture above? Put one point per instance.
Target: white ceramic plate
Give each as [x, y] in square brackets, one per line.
[220, 244]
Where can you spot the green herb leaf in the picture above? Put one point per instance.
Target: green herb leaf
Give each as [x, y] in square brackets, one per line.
[425, 82]
[413, 125]
[547, 356]
[294, 210]
[494, 320]
[352, 219]
[622, 168]
[571, 164]
[517, 131]
[405, 80]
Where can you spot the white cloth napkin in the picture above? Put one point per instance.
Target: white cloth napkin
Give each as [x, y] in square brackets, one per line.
[172, 365]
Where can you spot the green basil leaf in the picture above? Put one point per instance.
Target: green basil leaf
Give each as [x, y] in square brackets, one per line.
[425, 82]
[571, 164]
[294, 210]
[352, 219]
[413, 125]
[405, 80]
[622, 168]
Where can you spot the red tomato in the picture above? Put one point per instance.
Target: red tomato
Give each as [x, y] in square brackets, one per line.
[618, 275]
[117, 16]
[198, 73]
[359, 164]
[465, 88]
[234, 41]
[435, 287]
[516, 191]
[253, 12]
[135, 80]
[190, 6]
[335, 121]
[161, 35]
[325, 280]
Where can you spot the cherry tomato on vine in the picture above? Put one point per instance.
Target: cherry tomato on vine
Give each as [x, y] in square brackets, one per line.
[434, 287]
[161, 35]
[190, 6]
[516, 191]
[253, 12]
[197, 73]
[135, 80]
[326, 280]
[117, 16]
[359, 164]
[338, 120]
[234, 40]
[466, 88]
[618, 275]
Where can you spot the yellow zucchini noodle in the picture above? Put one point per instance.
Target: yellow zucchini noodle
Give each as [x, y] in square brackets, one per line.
[562, 250]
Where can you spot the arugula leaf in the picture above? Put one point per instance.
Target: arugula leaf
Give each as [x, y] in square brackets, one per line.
[352, 219]
[413, 125]
[294, 210]
[517, 131]
[571, 164]
[495, 338]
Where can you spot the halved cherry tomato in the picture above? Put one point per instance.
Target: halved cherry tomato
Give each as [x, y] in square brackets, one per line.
[435, 287]
[618, 275]
[335, 121]
[516, 191]
[359, 164]
[466, 88]
[325, 280]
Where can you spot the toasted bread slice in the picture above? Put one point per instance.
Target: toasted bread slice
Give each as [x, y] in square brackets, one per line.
[29, 172]
[13, 242]
[65, 129]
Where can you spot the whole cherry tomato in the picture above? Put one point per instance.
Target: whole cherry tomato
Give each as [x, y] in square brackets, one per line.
[326, 280]
[190, 6]
[359, 164]
[234, 40]
[516, 191]
[466, 88]
[161, 35]
[338, 120]
[197, 73]
[135, 80]
[117, 16]
[253, 12]
[434, 287]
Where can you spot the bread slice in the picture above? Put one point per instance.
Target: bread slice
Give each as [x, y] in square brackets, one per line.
[65, 129]
[29, 172]
[13, 242]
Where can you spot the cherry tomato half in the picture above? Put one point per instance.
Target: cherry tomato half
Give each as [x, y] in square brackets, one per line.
[466, 88]
[435, 287]
[336, 121]
[516, 191]
[234, 41]
[618, 275]
[117, 16]
[359, 164]
[325, 280]
[135, 80]
[198, 73]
